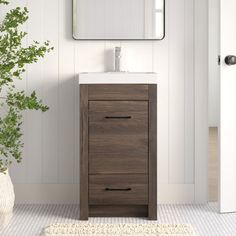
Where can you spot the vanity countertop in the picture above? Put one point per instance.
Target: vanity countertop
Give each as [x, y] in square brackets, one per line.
[118, 78]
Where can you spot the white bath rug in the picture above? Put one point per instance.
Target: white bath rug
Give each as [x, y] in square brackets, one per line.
[88, 229]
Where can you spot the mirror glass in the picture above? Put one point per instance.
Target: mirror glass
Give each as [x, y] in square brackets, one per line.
[118, 19]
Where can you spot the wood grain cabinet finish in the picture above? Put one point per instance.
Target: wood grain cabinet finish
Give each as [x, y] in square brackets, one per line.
[118, 150]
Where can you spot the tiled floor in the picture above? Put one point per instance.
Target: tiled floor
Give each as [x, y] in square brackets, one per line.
[29, 220]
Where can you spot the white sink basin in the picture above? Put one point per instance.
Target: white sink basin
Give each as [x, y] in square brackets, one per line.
[118, 78]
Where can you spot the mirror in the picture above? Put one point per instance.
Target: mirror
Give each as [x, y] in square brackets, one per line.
[119, 19]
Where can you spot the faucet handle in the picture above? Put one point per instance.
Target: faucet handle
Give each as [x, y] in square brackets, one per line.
[118, 50]
[117, 59]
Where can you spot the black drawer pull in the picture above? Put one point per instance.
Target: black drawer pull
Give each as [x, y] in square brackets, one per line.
[118, 189]
[117, 117]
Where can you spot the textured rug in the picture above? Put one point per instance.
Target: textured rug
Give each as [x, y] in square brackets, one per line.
[88, 229]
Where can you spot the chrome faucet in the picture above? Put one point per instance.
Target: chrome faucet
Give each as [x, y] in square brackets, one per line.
[117, 59]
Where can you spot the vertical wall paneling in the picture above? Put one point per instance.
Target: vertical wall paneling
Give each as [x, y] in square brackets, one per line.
[161, 67]
[189, 92]
[66, 94]
[90, 56]
[176, 91]
[201, 98]
[137, 55]
[50, 93]
[34, 82]
[214, 69]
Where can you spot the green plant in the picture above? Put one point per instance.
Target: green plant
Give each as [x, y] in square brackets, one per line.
[14, 58]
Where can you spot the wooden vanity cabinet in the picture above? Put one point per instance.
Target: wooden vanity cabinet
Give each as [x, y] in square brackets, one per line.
[118, 150]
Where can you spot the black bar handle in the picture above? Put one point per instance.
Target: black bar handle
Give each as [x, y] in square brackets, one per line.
[118, 117]
[118, 189]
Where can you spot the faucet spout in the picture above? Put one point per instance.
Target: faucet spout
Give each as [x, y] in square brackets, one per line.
[117, 59]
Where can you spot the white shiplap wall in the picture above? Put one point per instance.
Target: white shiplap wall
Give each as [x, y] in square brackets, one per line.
[214, 69]
[49, 172]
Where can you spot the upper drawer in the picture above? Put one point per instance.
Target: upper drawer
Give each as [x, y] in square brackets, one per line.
[118, 92]
[131, 114]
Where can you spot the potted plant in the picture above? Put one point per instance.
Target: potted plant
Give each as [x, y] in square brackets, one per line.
[13, 60]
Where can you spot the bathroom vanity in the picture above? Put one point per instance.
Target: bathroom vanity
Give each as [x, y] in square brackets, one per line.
[118, 145]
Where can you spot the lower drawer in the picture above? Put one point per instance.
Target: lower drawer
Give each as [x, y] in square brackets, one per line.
[118, 189]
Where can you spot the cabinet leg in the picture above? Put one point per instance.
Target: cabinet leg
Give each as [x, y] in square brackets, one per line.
[83, 215]
[152, 212]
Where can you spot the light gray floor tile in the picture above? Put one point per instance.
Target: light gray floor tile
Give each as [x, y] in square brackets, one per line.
[29, 220]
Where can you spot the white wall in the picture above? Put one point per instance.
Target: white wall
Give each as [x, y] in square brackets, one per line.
[49, 172]
[214, 73]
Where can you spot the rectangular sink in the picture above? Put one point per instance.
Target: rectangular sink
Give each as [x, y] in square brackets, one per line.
[118, 78]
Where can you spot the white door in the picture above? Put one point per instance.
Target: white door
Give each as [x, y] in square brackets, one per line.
[227, 137]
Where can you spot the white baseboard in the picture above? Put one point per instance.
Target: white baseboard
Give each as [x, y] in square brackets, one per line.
[69, 193]
[47, 193]
[175, 193]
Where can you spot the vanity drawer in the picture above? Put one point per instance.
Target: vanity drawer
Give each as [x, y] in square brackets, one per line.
[134, 113]
[118, 123]
[118, 92]
[118, 189]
